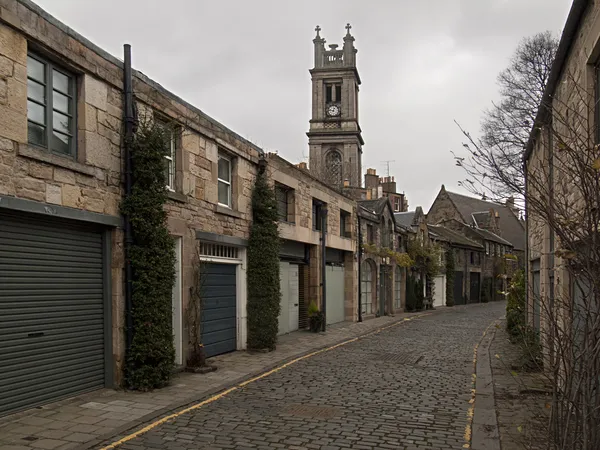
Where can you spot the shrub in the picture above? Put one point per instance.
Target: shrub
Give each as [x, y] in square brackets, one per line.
[263, 268]
[152, 253]
[516, 306]
[419, 296]
[411, 299]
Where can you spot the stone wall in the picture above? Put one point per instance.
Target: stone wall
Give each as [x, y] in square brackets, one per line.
[92, 180]
[304, 187]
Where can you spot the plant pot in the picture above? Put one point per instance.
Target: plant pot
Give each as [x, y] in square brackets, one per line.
[316, 322]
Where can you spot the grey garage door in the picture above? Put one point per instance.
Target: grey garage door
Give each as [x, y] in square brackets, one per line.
[219, 323]
[51, 311]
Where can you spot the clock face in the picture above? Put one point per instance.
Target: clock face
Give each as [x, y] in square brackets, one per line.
[333, 110]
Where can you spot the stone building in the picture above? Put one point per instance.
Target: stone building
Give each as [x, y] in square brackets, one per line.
[468, 259]
[501, 219]
[572, 86]
[302, 202]
[334, 137]
[61, 183]
[383, 282]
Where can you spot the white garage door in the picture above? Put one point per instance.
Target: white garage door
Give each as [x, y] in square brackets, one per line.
[439, 297]
[334, 277]
[290, 300]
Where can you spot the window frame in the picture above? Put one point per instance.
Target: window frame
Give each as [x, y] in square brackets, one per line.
[344, 231]
[173, 130]
[398, 289]
[287, 191]
[49, 67]
[229, 183]
[366, 281]
[317, 214]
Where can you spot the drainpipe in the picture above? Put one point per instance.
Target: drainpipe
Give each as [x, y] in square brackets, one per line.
[129, 124]
[359, 269]
[323, 261]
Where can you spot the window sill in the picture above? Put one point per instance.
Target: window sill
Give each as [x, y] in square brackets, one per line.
[176, 196]
[227, 211]
[56, 160]
[287, 222]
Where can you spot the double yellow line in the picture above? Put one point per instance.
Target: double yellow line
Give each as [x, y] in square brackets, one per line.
[226, 392]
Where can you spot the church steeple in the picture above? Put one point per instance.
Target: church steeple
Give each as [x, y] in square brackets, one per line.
[334, 137]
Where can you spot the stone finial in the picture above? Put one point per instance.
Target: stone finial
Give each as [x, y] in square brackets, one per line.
[317, 29]
[348, 28]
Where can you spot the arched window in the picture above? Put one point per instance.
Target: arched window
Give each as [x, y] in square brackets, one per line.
[333, 164]
[366, 286]
[398, 289]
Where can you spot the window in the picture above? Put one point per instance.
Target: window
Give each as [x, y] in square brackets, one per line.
[472, 257]
[50, 106]
[318, 212]
[345, 225]
[487, 248]
[398, 289]
[224, 180]
[400, 244]
[366, 287]
[333, 163]
[333, 93]
[397, 204]
[285, 203]
[370, 234]
[171, 136]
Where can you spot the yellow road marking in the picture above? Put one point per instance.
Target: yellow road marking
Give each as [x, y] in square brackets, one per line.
[247, 382]
[471, 411]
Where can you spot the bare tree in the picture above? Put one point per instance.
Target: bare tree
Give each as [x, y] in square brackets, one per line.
[563, 213]
[494, 165]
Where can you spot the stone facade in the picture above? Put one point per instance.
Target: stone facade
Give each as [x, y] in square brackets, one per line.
[334, 137]
[302, 190]
[91, 181]
[386, 293]
[572, 90]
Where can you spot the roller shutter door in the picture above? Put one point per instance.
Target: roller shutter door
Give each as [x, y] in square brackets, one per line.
[219, 318]
[51, 311]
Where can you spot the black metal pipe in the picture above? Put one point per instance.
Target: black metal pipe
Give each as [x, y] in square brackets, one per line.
[129, 124]
[359, 249]
[323, 267]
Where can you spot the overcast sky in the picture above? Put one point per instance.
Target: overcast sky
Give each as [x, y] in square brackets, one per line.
[423, 64]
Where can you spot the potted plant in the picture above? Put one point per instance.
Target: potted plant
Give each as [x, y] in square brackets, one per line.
[315, 318]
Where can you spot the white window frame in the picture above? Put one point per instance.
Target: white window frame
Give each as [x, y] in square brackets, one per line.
[171, 161]
[227, 183]
[366, 286]
[398, 289]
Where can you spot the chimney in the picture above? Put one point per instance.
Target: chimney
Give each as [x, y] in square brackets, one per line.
[371, 179]
[346, 183]
[302, 166]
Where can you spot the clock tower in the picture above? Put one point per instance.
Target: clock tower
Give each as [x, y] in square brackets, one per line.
[334, 136]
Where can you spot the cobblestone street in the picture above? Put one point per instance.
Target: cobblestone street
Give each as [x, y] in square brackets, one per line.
[405, 387]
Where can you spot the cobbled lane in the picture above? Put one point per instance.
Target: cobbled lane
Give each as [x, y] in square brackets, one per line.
[407, 387]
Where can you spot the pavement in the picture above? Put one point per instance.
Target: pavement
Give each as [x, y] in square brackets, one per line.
[384, 383]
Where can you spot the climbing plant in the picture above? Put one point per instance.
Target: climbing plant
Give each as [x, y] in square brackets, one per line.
[400, 258]
[450, 277]
[152, 254]
[263, 267]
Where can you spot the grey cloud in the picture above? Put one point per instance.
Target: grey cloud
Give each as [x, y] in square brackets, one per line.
[423, 64]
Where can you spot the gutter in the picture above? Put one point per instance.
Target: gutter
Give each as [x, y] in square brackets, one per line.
[129, 124]
[566, 41]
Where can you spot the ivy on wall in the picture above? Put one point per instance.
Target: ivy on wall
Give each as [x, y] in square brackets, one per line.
[263, 268]
[400, 258]
[151, 356]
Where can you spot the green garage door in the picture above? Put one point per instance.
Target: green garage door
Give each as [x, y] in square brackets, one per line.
[219, 316]
[51, 311]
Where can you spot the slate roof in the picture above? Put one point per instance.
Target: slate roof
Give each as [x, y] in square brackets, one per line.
[489, 236]
[448, 235]
[374, 205]
[511, 228]
[405, 219]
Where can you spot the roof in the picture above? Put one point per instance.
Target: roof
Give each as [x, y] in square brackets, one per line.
[405, 219]
[451, 236]
[481, 219]
[511, 227]
[489, 236]
[374, 205]
[566, 40]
